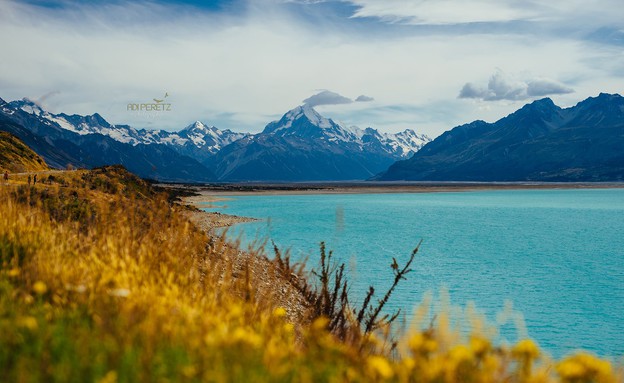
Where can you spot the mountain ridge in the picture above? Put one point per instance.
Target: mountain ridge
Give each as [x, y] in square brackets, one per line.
[305, 146]
[61, 147]
[538, 142]
[342, 152]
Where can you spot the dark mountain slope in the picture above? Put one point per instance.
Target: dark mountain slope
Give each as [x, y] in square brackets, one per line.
[304, 146]
[61, 147]
[539, 142]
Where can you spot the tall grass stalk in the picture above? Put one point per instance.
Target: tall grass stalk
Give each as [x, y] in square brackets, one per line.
[104, 280]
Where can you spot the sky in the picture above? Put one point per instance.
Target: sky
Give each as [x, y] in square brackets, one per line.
[426, 65]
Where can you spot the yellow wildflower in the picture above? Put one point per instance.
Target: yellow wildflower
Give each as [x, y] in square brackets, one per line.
[479, 345]
[110, 377]
[189, 371]
[422, 344]
[320, 323]
[584, 366]
[289, 328]
[28, 322]
[570, 370]
[461, 353]
[249, 337]
[526, 348]
[279, 312]
[380, 366]
[40, 288]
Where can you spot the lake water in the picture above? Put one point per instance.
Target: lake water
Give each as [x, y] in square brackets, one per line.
[557, 255]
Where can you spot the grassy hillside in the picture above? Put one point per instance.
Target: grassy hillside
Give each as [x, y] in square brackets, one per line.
[102, 279]
[16, 157]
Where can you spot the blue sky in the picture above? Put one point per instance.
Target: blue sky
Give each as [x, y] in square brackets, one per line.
[428, 65]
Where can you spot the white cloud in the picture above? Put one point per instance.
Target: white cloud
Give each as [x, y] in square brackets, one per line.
[442, 11]
[326, 97]
[546, 87]
[242, 71]
[364, 98]
[445, 12]
[504, 87]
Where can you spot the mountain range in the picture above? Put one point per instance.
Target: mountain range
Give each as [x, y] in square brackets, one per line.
[539, 142]
[305, 146]
[86, 141]
[302, 145]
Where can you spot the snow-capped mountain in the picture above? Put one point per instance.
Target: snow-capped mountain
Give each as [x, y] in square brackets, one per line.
[302, 145]
[83, 125]
[305, 146]
[90, 141]
[208, 137]
[196, 140]
[406, 143]
[305, 121]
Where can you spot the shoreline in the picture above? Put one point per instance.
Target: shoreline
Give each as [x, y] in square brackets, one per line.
[204, 196]
[270, 283]
[208, 221]
[218, 192]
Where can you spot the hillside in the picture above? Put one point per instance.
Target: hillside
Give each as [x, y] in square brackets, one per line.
[539, 142]
[16, 157]
[103, 279]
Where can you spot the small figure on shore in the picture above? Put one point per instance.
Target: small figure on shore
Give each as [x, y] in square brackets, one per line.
[35, 180]
[6, 176]
[29, 180]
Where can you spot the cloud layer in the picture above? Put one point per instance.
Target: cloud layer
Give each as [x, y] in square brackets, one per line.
[363, 98]
[452, 12]
[504, 87]
[327, 97]
[241, 66]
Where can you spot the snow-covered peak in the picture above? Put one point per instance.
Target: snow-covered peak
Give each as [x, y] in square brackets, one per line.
[405, 143]
[198, 126]
[204, 136]
[27, 106]
[301, 115]
[305, 122]
[315, 118]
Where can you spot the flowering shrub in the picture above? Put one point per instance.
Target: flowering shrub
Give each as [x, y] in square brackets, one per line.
[138, 294]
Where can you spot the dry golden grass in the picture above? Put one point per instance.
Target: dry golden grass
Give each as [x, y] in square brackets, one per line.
[102, 280]
[16, 157]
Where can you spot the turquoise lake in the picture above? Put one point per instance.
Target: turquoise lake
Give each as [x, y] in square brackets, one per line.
[557, 255]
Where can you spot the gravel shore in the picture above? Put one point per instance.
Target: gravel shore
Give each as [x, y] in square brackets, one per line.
[268, 281]
[208, 221]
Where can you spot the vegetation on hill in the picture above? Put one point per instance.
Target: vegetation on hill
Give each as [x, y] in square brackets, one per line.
[16, 157]
[102, 279]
